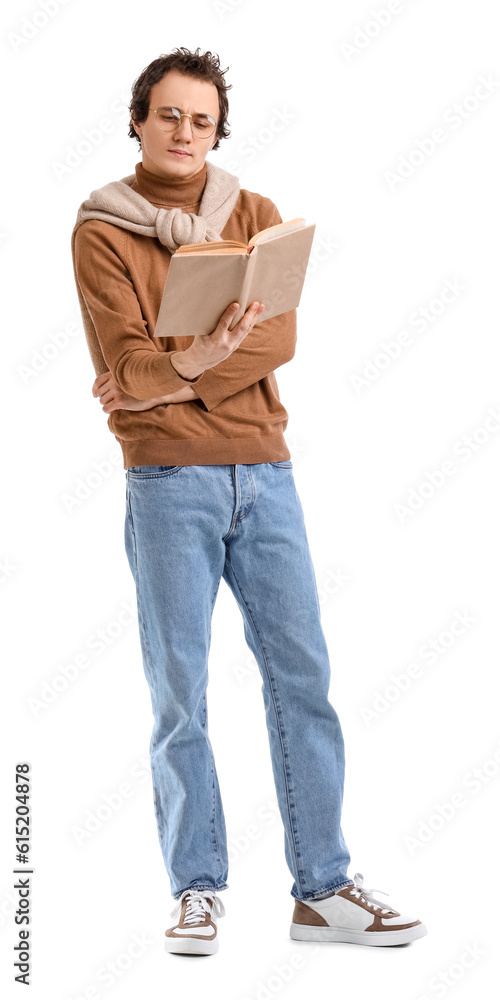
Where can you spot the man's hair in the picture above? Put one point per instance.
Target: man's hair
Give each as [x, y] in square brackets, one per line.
[204, 66]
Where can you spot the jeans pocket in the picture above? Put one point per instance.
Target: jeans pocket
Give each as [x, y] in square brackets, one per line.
[152, 471]
[285, 464]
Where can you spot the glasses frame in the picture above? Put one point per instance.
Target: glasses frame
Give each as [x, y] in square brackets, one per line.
[183, 114]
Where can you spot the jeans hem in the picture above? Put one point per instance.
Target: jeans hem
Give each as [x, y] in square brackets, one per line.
[324, 892]
[200, 886]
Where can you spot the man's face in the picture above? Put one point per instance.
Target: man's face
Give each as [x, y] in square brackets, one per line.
[190, 95]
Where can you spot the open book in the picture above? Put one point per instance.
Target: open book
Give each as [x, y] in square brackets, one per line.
[204, 278]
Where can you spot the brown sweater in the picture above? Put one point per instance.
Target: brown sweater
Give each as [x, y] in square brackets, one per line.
[120, 274]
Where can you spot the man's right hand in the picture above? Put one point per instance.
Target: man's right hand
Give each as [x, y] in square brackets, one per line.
[208, 349]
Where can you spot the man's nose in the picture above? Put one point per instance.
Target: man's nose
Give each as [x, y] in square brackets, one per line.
[183, 129]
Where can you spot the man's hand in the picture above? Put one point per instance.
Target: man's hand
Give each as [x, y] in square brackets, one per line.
[114, 398]
[208, 349]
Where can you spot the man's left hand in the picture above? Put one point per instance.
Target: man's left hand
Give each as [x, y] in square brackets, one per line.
[113, 397]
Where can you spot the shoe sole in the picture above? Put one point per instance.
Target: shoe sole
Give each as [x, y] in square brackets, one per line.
[191, 946]
[310, 932]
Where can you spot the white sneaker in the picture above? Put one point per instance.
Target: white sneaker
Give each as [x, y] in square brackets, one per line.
[196, 930]
[353, 915]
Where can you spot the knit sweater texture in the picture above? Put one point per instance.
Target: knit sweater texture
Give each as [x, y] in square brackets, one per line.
[120, 276]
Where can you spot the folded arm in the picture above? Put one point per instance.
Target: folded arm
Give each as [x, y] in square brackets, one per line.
[113, 398]
[136, 364]
[152, 377]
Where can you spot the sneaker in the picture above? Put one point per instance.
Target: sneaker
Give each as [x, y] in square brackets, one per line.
[354, 915]
[196, 930]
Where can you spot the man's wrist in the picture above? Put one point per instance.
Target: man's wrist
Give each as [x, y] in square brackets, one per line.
[183, 364]
[182, 395]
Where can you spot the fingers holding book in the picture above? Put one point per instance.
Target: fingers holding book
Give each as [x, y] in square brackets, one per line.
[248, 319]
[208, 349]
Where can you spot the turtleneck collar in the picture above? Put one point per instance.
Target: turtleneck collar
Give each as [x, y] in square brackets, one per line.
[172, 192]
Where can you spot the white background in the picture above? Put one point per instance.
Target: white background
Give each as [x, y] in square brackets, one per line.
[354, 116]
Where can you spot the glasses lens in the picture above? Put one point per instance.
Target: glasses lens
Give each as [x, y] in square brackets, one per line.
[167, 118]
[202, 126]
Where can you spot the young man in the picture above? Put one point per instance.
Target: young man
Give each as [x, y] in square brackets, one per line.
[210, 493]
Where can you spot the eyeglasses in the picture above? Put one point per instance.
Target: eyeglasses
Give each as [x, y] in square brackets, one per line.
[167, 119]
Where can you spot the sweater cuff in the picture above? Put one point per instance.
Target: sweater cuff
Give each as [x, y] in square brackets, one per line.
[179, 379]
[209, 389]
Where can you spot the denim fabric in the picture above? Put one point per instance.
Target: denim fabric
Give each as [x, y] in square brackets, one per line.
[187, 526]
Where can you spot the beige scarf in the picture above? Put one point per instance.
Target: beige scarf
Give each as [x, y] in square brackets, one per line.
[120, 205]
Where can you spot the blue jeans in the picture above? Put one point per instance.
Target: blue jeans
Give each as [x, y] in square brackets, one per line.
[186, 527]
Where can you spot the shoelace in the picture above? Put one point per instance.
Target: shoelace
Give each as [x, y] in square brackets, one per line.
[367, 894]
[198, 904]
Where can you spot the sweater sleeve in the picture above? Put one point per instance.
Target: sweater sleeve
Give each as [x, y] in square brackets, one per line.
[268, 345]
[109, 295]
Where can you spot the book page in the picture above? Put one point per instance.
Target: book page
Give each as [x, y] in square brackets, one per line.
[213, 246]
[212, 250]
[279, 230]
[279, 272]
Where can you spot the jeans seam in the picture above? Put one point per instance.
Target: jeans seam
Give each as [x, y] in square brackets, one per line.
[295, 837]
[212, 761]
